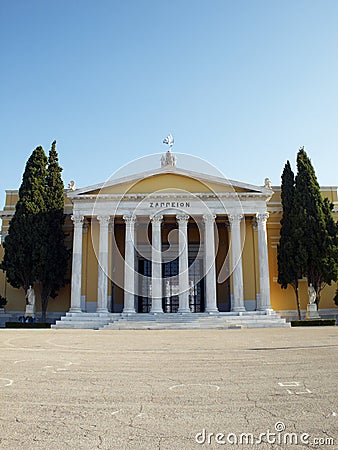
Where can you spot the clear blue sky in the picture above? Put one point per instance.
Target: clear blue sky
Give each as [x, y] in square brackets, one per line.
[240, 83]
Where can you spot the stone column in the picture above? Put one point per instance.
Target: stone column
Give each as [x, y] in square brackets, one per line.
[236, 261]
[102, 284]
[129, 265]
[75, 296]
[183, 263]
[156, 264]
[263, 262]
[210, 264]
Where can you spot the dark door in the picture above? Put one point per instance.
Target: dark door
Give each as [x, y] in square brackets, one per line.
[170, 270]
[196, 299]
[144, 300]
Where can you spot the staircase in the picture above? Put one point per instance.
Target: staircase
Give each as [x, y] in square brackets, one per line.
[170, 321]
[91, 321]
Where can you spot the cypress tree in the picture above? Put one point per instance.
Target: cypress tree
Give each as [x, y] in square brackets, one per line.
[53, 267]
[330, 260]
[22, 245]
[319, 230]
[290, 252]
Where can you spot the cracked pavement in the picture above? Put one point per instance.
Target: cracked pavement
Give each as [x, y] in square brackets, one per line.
[145, 390]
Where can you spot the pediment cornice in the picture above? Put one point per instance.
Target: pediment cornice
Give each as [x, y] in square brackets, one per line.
[185, 195]
[206, 178]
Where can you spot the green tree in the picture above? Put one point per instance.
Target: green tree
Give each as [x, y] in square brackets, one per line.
[330, 260]
[319, 237]
[53, 266]
[22, 245]
[335, 298]
[290, 252]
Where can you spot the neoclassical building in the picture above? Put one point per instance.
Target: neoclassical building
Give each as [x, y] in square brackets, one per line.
[171, 242]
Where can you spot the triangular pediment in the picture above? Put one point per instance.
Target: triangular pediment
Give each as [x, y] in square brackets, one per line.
[169, 179]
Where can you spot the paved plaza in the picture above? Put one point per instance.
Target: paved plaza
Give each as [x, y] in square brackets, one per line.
[168, 390]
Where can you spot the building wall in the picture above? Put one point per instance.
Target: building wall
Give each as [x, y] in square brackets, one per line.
[284, 299]
[281, 300]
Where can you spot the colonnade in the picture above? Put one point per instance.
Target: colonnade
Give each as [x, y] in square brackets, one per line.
[130, 273]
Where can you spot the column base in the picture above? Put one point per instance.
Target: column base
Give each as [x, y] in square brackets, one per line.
[184, 311]
[238, 309]
[212, 311]
[75, 310]
[127, 311]
[156, 311]
[102, 310]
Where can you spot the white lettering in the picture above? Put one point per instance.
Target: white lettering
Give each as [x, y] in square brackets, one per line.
[232, 438]
[219, 439]
[210, 435]
[200, 437]
[260, 438]
[246, 438]
[273, 435]
[292, 437]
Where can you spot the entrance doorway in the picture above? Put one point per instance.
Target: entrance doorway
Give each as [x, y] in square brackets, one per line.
[170, 286]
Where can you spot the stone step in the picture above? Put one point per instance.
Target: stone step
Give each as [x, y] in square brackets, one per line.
[151, 326]
[257, 319]
[200, 324]
[85, 317]
[94, 325]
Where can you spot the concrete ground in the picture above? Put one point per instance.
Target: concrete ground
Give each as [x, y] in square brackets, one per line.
[144, 390]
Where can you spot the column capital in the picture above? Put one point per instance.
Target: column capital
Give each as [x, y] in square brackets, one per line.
[156, 218]
[209, 218]
[77, 219]
[262, 218]
[104, 219]
[235, 218]
[129, 218]
[182, 218]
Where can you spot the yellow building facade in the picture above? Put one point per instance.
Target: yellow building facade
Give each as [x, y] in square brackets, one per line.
[170, 241]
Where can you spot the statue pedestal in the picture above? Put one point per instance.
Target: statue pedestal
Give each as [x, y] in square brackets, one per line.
[311, 311]
[30, 311]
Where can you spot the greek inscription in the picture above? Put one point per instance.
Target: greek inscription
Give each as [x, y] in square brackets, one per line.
[169, 204]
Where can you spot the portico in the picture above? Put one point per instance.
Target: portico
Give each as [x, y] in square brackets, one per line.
[171, 250]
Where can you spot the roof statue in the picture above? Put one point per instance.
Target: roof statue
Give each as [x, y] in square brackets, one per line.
[71, 185]
[267, 183]
[169, 140]
[169, 159]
